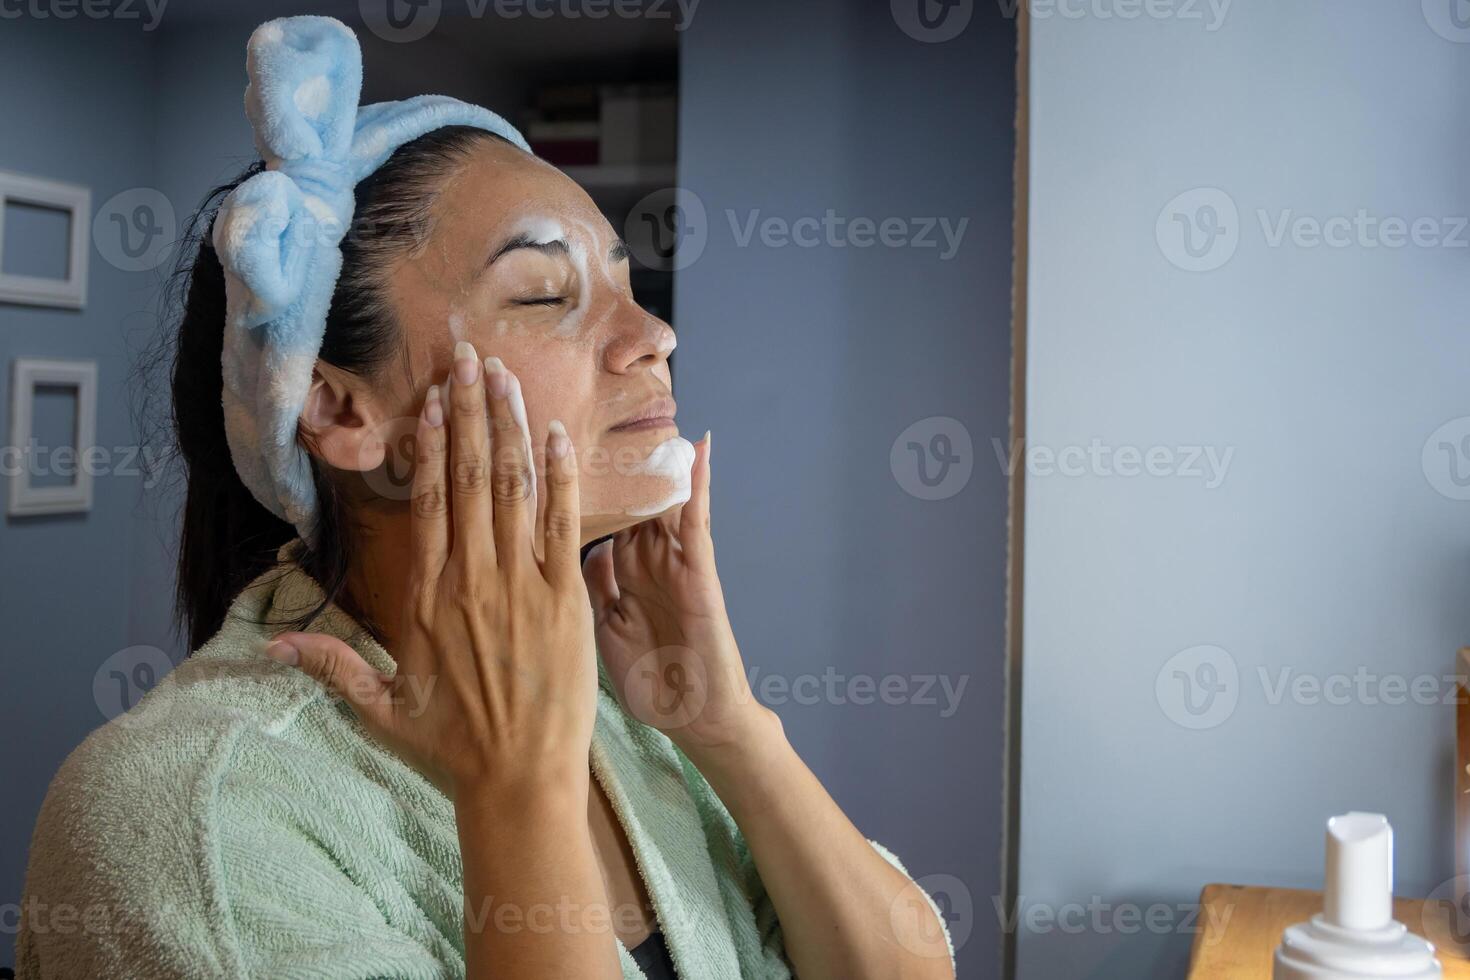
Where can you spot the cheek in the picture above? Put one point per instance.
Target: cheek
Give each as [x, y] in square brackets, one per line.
[556, 377]
[478, 319]
[557, 389]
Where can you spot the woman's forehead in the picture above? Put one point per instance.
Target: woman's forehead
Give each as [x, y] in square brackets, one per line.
[501, 184]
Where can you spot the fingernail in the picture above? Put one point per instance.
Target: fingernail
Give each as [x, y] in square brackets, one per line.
[561, 443]
[434, 407]
[283, 652]
[495, 377]
[709, 445]
[466, 363]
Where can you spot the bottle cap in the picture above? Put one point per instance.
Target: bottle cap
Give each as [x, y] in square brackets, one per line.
[1355, 936]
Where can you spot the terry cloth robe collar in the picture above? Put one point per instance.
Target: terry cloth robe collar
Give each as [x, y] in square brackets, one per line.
[642, 774]
[239, 821]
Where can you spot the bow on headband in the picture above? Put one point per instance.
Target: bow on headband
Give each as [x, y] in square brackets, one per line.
[278, 236]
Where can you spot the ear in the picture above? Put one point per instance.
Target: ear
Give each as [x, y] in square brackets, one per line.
[342, 422]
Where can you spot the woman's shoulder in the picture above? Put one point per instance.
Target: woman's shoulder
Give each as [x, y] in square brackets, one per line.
[134, 785]
[226, 715]
[227, 722]
[174, 820]
[120, 849]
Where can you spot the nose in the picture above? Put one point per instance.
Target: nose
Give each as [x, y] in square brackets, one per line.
[637, 338]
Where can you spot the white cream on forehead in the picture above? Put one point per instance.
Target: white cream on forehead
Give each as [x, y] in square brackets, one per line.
[672, 459]
[542, 230]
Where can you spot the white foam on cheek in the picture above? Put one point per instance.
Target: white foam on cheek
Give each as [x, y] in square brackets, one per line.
[587, 249]
[591, 241]
[456, 325]
[572, 322]
[672, 459]
[541, 229]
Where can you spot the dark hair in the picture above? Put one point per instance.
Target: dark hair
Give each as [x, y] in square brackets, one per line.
[228, 538]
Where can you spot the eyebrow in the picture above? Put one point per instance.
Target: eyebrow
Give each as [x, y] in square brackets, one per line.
[526, 240]
[617, 253]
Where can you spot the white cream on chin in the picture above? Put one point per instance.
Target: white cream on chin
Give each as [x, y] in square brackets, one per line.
[672, 459]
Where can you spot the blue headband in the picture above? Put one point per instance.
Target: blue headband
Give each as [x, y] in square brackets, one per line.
[278, 236]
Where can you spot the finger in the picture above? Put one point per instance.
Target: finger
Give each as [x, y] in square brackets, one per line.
[341, 670]
[518, 412]
[469, 457]
[625, 561]
[602, 583]
[510, 470]
[694, 532]
[561, 526]
[429, 514]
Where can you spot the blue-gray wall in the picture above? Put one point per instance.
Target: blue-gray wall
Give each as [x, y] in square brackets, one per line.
[1327, 549]
[808, 363]
[66, 598]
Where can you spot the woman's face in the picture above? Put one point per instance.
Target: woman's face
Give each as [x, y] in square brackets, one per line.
[520, 263]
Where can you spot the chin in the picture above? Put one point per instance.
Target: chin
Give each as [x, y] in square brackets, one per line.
[676, 499]
[656, 484]
[596, 527]
[660, 481]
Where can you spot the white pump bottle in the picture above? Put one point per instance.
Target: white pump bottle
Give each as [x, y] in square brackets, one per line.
[1355, 936]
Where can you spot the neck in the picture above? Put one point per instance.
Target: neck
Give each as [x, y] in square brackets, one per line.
[377, 571]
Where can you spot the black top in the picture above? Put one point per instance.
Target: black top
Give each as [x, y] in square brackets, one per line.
[652, 957]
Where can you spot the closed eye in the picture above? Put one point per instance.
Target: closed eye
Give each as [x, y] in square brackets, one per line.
[540, 301]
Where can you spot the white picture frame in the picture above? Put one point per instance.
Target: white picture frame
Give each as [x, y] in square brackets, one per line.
[27, 374]
[76, 201]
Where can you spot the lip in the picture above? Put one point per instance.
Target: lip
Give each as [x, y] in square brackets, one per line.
[654, 415]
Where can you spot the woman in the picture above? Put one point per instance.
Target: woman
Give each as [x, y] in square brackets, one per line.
[559, 770]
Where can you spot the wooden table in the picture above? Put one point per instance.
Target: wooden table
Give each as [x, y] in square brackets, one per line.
[1241, 926]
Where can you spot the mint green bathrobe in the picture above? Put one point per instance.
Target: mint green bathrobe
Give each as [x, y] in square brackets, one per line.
[239, 822]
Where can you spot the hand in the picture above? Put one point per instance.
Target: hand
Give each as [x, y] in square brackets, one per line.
[662, 629]
[500, 639]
